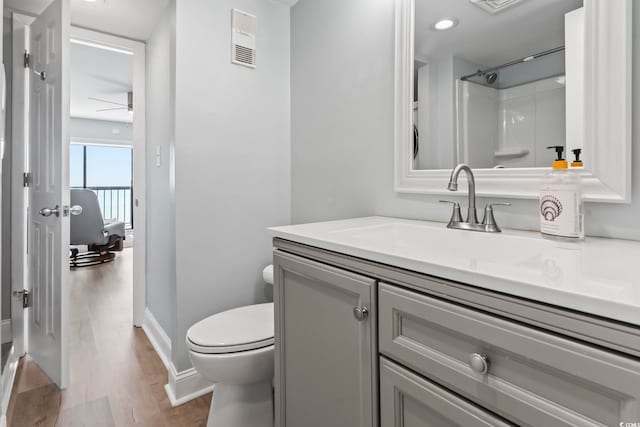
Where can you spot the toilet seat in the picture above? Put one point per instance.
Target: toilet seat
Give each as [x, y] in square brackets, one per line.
[240, 329]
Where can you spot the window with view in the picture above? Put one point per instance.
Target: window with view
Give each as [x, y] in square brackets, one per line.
[107, 170]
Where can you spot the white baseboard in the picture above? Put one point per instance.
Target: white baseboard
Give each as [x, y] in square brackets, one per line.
[186, 385]
[158, 337]
[182, 386]
[6, 384]
[5, 331]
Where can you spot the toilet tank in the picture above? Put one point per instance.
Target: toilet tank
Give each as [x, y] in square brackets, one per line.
[267, 274]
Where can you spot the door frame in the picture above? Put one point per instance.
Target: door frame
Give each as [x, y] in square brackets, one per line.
[19, 194]
[139, 154]
[19, 201]
[19, 165]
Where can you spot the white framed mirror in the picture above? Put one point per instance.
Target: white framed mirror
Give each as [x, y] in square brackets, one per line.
[505, 80]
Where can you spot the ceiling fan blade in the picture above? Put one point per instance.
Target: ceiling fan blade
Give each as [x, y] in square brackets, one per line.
[108, 102]
[111, 109]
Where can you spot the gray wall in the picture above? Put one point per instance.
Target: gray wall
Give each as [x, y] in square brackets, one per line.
[547, 66]
[342, 124]
[232, 158]
[225, 172]
[436, 148]
[160, 221]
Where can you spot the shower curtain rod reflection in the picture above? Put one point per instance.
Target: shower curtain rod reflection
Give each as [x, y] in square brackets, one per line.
[517, 61]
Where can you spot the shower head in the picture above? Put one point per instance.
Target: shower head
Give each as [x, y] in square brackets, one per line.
[491, 77]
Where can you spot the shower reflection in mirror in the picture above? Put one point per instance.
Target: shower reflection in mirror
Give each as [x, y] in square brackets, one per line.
[491, 81]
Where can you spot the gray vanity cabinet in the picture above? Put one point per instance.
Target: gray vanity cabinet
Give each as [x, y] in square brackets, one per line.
[326, 360]
[449, 354]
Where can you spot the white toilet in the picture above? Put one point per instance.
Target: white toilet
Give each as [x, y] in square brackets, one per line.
[234, 349]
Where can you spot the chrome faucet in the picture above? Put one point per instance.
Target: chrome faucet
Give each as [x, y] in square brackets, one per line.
[472, 214]
[471, 223]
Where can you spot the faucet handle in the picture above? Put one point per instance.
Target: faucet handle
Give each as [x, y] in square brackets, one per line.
[491, 205]
[456, 216]
[489, 221]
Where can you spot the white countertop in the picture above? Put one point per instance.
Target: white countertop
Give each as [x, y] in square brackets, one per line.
[596, 276]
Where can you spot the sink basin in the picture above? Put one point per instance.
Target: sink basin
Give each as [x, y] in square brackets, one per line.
[588, 276]
[434, 240]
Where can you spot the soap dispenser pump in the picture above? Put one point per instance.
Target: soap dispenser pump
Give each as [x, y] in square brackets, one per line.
[577, 163]
[561, 207]
[559, 162]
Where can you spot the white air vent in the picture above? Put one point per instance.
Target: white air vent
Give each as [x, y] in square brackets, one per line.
[243, 38]
[495, 6]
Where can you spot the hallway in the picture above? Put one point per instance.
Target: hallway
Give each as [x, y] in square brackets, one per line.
[116, 377]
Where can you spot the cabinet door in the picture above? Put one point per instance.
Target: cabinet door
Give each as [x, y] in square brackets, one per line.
[326, 358]
[407, 400]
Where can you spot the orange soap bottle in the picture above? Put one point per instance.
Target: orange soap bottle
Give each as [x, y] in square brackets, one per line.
[561, 207]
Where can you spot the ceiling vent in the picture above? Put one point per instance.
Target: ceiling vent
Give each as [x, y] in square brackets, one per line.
[495, 6]
[243, 38]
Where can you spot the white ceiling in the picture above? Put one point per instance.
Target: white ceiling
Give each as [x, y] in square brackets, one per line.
[102, 74]
[287, 2]
[527, 28]
[134, 19]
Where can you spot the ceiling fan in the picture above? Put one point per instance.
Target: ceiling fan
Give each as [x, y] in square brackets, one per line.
[128, 106]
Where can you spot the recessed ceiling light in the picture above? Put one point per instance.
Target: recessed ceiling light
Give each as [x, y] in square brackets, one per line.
[90, 1]
[445, 24]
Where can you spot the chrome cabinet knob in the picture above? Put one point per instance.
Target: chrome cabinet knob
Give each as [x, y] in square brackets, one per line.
[479, 363]
[75, 210]
[360, 313]
[46, 212]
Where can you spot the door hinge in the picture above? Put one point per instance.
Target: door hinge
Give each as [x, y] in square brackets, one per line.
[27, 64]
[27, 179]
[26, 297]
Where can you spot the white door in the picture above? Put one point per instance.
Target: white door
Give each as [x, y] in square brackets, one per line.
[49, 195]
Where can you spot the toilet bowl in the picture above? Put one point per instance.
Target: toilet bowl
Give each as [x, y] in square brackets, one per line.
[234, 350]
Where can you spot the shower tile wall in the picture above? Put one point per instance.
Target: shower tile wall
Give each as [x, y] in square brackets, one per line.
[528, 117]
[532, 116]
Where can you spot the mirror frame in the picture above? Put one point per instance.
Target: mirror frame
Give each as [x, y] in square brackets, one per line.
[607, 113]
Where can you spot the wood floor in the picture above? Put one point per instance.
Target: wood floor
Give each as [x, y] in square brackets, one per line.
[116, 378]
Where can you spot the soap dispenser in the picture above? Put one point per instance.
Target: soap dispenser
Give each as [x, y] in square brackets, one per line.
[561, 206]
[577, 163]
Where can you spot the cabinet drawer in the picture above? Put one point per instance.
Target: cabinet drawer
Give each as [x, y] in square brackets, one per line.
[534, 378]
[408, 400]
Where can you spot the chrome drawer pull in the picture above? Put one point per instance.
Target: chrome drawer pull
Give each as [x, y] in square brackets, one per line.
[479, 363]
